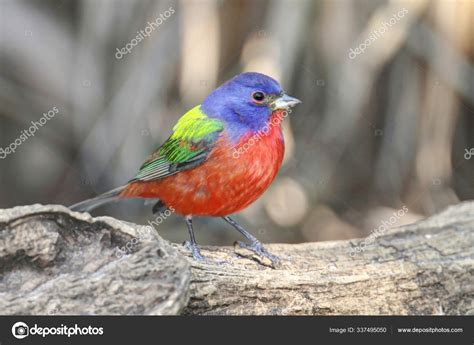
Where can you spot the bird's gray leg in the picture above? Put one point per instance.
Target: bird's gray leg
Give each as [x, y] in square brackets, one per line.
[192, 245]
[255, 245]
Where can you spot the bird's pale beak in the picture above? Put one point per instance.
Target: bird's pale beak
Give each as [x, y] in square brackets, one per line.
[284, 102]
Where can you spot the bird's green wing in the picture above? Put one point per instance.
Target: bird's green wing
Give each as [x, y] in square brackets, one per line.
[193, 138]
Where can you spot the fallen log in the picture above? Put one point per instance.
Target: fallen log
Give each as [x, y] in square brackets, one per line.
[54, 261]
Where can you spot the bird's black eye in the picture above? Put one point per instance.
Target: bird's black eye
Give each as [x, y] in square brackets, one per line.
[258, 96]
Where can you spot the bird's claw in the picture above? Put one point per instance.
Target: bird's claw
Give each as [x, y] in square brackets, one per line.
[260, 250]
[194, 249]
[196, 253]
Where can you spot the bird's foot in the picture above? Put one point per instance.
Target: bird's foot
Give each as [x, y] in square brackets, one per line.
[194, 249]
[196, 253]
[257, 248]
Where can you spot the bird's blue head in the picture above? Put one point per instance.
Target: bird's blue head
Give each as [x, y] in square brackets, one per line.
[246, 102]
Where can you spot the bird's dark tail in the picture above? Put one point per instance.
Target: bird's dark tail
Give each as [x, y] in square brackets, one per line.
[90, 204]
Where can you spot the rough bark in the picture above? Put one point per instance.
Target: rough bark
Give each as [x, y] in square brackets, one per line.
[53, 260]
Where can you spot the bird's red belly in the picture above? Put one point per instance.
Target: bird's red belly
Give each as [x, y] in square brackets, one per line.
[230, 180]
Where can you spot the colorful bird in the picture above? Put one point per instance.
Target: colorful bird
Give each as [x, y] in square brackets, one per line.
[222, 155]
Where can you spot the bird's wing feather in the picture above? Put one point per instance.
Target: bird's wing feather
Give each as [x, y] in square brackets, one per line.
[193, 138]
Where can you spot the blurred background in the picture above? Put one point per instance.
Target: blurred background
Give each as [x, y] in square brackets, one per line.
[387, 118]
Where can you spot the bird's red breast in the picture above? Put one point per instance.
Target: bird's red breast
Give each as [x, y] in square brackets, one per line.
[228, 181]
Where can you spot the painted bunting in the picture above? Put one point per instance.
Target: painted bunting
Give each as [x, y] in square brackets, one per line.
[222, 155]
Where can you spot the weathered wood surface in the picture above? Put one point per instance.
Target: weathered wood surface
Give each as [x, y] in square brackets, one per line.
[56, 261]
[53, 261]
